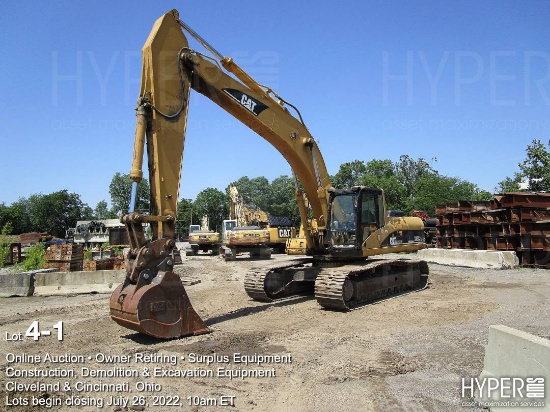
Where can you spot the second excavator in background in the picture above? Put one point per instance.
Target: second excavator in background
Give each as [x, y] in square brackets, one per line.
[201, 238]
[240, 234]
[280, 228]
[351, 224]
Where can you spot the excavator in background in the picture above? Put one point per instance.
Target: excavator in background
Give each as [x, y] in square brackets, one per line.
[239, 234]
[351, 223]
[280, 228]
[297, 244]
[430, 226]
[203, 239]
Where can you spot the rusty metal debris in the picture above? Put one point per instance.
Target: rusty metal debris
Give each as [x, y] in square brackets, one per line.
[517, 222]
[64, 257]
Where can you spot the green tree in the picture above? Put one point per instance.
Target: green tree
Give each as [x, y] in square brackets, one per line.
[17, 214]
[434, 189]
[3, 214]
[34, 257]
[536, 167]
[214, 204]
[56, 212]
[410, 171]
[120, 190]
[185, 217]
[510, 184]
[102, 212]
[349, 174]
[408, 184]
[282, 199]
[4, 243]
[381, 174]
[255, 191]
[276, 198]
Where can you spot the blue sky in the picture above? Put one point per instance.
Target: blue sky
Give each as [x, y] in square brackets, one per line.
[463, 82]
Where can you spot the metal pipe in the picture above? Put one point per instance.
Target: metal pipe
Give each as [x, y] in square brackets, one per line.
[229, 64]
[303, 219]
[136, 173]
[133, 196]
[201, 40]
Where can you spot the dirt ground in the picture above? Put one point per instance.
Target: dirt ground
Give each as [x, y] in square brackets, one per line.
[407, 353]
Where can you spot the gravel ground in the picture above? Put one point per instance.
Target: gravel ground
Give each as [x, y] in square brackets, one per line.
[407, 353]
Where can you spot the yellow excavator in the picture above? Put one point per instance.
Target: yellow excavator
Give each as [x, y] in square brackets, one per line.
[239, 234]
[277, 229]
[351, 224]
[296, 245]
[204, 239]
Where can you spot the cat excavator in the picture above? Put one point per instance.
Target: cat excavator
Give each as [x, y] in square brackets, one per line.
[277, 229]
[239, 232]
[351, 224]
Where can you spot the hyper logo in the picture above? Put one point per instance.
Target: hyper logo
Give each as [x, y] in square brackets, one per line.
[253, 105]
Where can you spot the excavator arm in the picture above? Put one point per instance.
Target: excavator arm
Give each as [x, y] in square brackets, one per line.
[170, 70]
[152, 300]
[270, 119]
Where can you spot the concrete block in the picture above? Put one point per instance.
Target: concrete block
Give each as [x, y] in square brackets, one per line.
[19, 284]
[16, 284]
[69, 283]
[511, 353]
[483, 259]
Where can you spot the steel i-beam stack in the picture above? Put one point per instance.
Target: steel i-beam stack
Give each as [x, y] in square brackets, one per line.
[64, 257]
[518, 222]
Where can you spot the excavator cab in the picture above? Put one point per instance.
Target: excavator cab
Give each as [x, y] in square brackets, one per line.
[353, 215]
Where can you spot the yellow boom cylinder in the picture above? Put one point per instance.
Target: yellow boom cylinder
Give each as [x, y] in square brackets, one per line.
[136, 173]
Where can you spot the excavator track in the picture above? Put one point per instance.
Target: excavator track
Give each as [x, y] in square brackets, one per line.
[337, 288]
[280, 281]
[349, 286]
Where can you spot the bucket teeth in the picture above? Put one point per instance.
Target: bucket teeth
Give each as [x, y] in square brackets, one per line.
[161, 308]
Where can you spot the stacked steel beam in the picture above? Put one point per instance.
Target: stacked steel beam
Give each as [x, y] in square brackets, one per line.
[99, 264]
[120, 263]
[64, 257]
[517, 222]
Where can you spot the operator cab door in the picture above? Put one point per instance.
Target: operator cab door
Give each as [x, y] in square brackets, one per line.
[227, 227]
[354, 214]
[371, 213]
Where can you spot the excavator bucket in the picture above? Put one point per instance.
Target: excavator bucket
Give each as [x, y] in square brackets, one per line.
[161, 308]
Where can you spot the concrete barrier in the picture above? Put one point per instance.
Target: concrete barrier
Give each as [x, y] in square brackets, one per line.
[67, 283]
[485, 259]
[19, 284]
[516, 363]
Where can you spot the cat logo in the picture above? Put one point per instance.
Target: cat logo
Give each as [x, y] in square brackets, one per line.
[248, 102]
[251, 104]
[284, 232]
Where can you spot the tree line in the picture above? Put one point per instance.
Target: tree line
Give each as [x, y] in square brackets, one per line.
[56, 212]
[409, 184]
